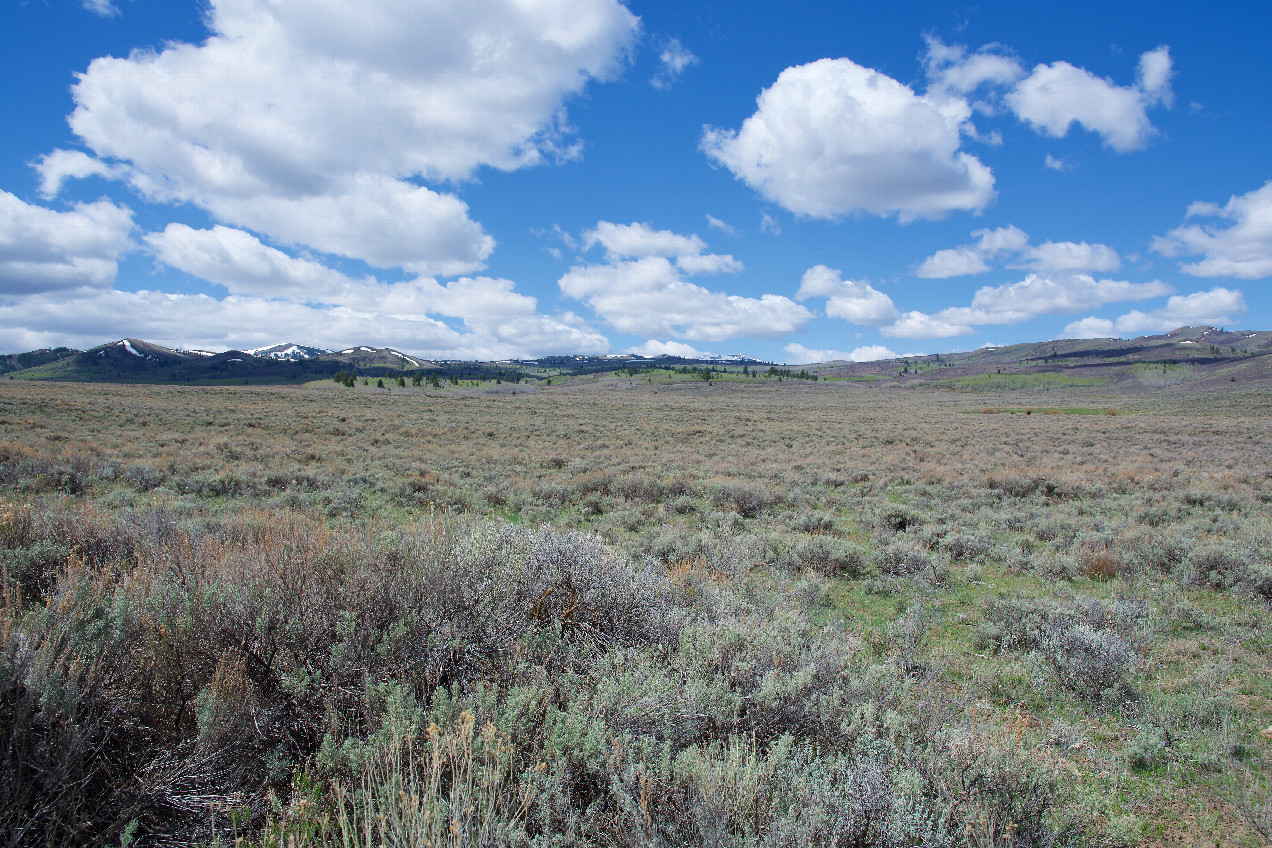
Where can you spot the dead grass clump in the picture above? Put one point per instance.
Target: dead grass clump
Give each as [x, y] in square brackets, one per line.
[1100, 565]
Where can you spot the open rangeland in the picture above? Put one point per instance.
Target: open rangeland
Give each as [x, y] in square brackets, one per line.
[628, 611]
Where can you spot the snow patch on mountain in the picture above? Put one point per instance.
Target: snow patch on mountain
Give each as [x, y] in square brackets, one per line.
[287, 351]
[401, 355]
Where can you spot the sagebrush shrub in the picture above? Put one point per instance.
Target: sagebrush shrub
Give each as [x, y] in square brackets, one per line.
[903, 557]
[1090, 663]
[830, 557]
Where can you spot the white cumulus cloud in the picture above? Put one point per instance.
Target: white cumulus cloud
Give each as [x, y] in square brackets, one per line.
[1242, 249]
[969, 259]
[920, 325]
[859, 303]
[244, 266]
[1070, 256]
[653, 347]
[648, 297]
[248, 268]
[44, 250]
[955, 69]
[640, 289]
[1012, 243]
[1053, 97]
[1090, 328]
[962, 261]
[1216, 307]
[1045, 294]
[832, 138]
[1014, 303]
[797, 354]
[637, 240]
[57, 167]
[311, 121]
[496, 318]
[1154, 75]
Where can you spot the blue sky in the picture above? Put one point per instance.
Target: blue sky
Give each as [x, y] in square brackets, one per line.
[515, 178]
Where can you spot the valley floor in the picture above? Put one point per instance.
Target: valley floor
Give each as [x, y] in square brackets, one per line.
[627, 611]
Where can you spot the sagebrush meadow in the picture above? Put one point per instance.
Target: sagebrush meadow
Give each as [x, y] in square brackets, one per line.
[627, 611]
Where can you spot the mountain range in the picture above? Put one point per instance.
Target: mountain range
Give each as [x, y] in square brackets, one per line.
[1200, 351]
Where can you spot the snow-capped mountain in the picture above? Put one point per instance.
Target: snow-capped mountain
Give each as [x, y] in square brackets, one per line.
[288, 351]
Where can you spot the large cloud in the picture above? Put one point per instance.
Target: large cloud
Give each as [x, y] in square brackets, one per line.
[641, 290]
[1243, 249]
[309, 120]
[43, 250]
[1219, 306]
[831, 137]
[859, 303]
[1055, 96]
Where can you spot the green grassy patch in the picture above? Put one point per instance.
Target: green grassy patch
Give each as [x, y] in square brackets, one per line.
[1043, 381]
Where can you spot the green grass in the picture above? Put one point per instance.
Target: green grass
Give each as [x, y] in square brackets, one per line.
[1044, 381]
[1161, 374]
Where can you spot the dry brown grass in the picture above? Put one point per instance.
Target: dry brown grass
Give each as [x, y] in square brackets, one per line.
[1100, 565]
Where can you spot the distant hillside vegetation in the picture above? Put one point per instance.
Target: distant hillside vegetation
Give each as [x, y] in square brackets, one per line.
[30, 359]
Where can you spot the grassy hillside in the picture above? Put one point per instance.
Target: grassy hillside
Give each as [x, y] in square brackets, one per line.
[638, 609]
